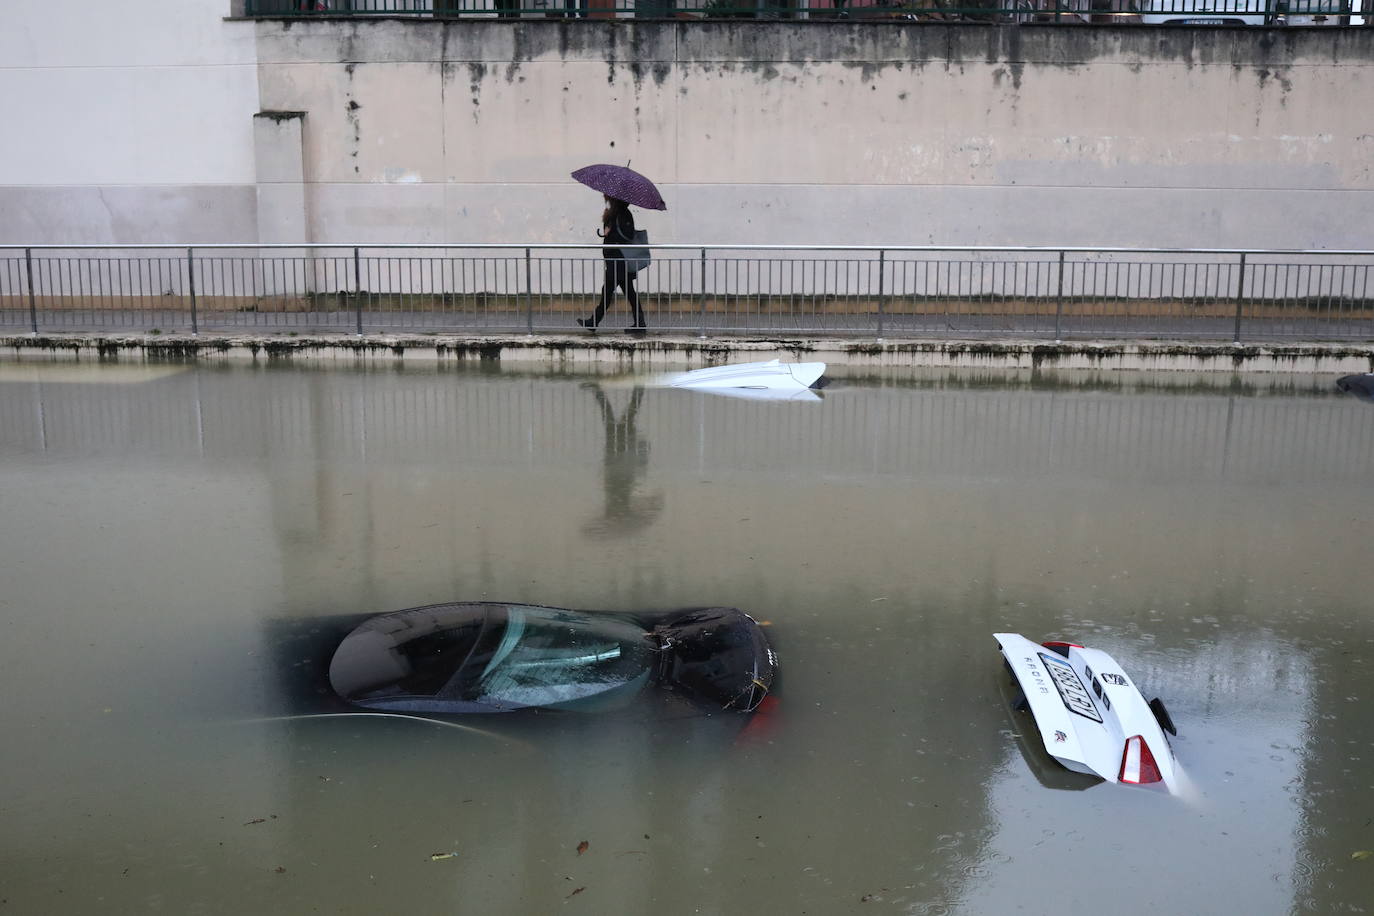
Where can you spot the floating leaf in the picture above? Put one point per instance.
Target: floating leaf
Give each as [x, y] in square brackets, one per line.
[1362, 854]
[575, 892]
[583, 847]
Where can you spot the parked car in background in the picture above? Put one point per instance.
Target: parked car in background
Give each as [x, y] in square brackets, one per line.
[1212, 12]
[1325, 12]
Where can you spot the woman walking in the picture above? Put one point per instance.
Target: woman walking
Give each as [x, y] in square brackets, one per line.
[617, 229]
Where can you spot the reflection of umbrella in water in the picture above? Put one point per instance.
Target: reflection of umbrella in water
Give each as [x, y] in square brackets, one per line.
[622, 183]
[626, 459]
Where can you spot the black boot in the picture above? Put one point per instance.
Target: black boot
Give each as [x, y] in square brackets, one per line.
[587, 323]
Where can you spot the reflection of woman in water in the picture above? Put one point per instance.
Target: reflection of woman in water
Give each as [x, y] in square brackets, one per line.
[626, 458]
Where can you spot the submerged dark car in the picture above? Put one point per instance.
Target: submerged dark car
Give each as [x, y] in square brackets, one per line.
[489, 657]
[1361, 385]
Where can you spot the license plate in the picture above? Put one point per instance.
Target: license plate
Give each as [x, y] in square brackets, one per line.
[1204, 22]
[1071, 689]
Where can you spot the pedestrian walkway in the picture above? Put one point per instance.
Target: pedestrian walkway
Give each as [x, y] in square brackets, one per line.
[933, 325]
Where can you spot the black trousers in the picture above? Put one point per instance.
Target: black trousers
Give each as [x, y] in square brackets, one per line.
[618, 275]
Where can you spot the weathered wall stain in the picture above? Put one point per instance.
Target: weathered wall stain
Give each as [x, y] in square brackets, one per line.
[477, 72]
[351, 114]
[1279, 76]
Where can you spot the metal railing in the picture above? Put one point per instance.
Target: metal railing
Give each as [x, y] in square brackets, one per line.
[1203, 12]
[862, 291]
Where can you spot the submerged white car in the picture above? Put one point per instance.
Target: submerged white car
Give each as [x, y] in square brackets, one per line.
[1091, 717]
[770, 380]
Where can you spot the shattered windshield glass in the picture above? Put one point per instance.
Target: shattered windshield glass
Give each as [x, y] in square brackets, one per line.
[547, 656]
[476, 657]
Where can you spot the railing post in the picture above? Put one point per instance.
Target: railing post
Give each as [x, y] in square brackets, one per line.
[529, 300]
[701, 296]
[1240, 296]
[358, 291]
[33, 306]
[1059, 301]
[191, 287]
[882, 263]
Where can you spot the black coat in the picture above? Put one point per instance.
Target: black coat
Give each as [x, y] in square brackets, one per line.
[619, 231]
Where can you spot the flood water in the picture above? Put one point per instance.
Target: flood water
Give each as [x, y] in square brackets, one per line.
[171, 530]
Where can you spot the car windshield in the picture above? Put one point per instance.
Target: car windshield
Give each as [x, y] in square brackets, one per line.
[475, 657]
[547, 656]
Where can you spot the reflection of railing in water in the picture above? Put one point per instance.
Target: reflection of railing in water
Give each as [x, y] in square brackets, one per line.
[470, 419]
[1054, 293]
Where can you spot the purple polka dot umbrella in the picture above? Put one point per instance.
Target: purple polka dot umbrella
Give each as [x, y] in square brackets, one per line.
[622, 183]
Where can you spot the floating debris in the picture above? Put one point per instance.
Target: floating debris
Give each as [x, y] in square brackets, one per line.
[583, 847]
[575, 892]
[440, 856]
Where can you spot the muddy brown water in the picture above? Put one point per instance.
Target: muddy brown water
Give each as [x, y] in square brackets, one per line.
[165, 526]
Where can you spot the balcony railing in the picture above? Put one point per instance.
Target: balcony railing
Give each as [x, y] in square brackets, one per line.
[882, 292]
[1197, 12]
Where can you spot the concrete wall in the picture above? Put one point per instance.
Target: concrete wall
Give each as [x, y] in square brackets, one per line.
[126, 122]
[825, 132]
[796, 133]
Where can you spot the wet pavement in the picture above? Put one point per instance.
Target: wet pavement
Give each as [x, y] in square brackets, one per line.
[172, 530]
[955, 320]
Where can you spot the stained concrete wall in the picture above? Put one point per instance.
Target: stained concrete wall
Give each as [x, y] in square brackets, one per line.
[824, 132]
[758, 132]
